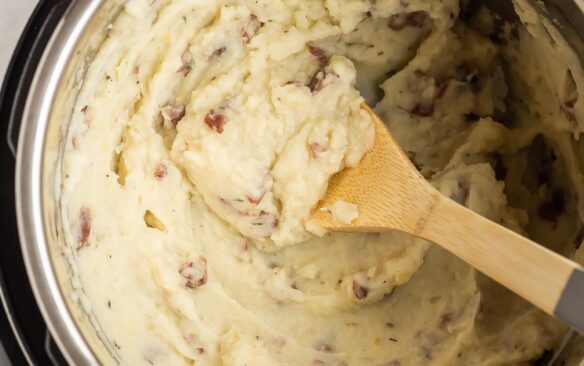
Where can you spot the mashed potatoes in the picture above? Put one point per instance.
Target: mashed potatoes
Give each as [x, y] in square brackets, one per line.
[205, 132]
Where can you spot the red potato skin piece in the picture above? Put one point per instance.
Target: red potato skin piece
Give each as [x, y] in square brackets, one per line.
[215, 120]
[568, 109]
[465, 74]
[217, 53]
[359, 291]
[423, 110]
[441, 87]
[243, 32]
[194, 282]
[84, 227]
[75, 142]
[187, 60]
[173, 113]
[318, 53]
[161, 171]
[416, 19]
[316, 149]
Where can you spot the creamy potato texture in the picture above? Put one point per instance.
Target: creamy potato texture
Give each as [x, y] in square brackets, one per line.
[205, 132]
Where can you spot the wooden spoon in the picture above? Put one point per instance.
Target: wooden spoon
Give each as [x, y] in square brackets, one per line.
[392, 195]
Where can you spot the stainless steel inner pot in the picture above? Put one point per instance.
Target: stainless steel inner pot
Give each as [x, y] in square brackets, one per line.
[50, 268]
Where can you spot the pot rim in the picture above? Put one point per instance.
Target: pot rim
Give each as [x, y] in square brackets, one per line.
[29, 183]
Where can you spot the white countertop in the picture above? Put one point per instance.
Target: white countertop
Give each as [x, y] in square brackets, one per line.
[13, 17]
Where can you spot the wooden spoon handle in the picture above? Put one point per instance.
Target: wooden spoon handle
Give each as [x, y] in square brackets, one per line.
[551, 282]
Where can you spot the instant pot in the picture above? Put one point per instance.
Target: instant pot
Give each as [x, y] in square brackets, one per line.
[23, 332]
[43, 321]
